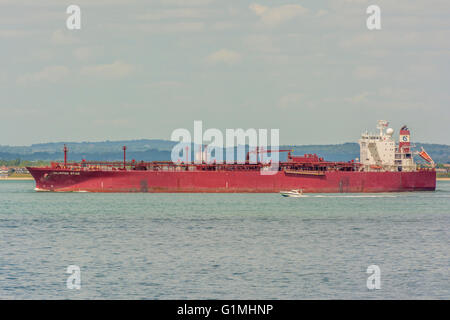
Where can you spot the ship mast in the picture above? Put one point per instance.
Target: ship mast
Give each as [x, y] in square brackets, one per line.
[124, 156]
[65, 156]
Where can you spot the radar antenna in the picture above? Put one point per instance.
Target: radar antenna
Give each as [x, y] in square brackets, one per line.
[382, 124]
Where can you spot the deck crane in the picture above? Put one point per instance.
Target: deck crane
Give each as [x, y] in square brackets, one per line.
[259, 150]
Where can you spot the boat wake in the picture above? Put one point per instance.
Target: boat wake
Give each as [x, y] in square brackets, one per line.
[356, 196]
[41, 190]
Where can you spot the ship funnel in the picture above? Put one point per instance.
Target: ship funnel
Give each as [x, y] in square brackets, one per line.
[404, 139]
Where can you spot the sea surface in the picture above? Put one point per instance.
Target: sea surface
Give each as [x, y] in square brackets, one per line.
[223, 246]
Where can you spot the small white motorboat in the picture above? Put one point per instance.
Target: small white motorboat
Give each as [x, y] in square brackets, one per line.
[297, 193]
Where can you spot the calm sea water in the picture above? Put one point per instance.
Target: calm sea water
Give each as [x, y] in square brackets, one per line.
[223, 246]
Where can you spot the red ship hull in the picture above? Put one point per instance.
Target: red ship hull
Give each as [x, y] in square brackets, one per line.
[50, 179]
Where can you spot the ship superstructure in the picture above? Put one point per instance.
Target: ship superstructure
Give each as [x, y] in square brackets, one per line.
[380, 152]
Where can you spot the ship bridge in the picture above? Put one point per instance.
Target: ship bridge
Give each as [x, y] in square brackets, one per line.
[379, 151]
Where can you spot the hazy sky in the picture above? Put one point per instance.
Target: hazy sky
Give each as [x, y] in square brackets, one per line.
[140, 69]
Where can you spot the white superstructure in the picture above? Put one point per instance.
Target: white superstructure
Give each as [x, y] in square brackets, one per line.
[379, 152]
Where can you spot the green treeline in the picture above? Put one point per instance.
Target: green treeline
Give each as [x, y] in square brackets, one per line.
[23, 163]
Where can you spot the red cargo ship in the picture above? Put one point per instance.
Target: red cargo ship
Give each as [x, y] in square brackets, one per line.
[384, 167]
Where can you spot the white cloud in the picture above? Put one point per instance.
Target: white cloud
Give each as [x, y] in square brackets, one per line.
[321, 13]
[48, 74]
[224, 25]
[179, 27]
[261, 43]
[420, 71]
[164, 84]
[186, 3]
[367, 72]
[14, 33]
[117, 122]
[224, 56]
[277, 15]
[397, 39]
[117, 69]
[359, 98]
[85, 53]
[60, 37]
[79, 2]
[3, 77]
[291, 100]
[176, 13]
[388, 98]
